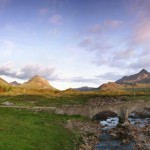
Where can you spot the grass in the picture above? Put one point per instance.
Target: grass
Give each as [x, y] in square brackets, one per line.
[47, 100]
[60, 99]
[26, 130]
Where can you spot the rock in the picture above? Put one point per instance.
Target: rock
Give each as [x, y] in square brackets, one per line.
[6, 103]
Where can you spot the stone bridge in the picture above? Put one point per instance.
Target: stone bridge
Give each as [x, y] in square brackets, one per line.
[123, 109]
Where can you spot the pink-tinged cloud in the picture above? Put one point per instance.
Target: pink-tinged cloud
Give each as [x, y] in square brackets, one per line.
[113, 23]
[86, 42]
[43, 11]
[56, 19]
[105, 25]
[142, 32]
[95, 28]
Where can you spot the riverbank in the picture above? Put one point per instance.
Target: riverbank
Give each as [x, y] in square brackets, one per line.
[127, 136]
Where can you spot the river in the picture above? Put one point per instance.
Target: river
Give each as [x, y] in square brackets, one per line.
[109, 142]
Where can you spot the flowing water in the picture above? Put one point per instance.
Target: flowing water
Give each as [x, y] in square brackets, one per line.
[107, 142]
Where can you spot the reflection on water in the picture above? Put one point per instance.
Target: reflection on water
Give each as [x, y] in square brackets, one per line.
[107, 142]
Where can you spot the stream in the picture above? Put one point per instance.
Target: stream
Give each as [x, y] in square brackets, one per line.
[108, 142]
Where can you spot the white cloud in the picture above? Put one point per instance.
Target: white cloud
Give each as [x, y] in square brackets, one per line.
[110, 76]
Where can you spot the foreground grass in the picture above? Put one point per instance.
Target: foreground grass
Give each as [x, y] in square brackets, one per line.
[25, 130]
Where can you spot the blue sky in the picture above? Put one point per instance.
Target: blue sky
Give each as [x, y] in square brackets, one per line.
[73, 43]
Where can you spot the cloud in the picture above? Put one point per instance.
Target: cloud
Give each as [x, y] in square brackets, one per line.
[118, 44]
[105, 26]
[78, 79]
[43, 11]
[142, 61]
[81, 79]
[86, 42]
[48, 73]
[95, 28]
[56, 19]
[110, 76]
[6, 69]
[141, 34]
[28, 71]
[124, 54]
[113, 23]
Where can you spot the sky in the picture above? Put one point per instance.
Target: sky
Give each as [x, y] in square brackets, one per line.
[73, 43]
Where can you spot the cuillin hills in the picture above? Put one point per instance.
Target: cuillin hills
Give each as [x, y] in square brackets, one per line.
[37, 82]
[3, 82]
[142, 77]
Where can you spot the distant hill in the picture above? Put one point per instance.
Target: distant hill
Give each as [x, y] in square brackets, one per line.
[110, 86]
[38, 82]
[142, 77]
[85, 88]
[4, 86]
[14, 83]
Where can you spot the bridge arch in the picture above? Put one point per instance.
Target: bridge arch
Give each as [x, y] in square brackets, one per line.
[104, 115]
[122, 111]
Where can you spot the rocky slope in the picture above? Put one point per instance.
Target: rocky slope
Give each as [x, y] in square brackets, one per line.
[142, 77]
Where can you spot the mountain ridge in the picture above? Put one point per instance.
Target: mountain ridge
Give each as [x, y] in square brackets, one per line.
[141, 77]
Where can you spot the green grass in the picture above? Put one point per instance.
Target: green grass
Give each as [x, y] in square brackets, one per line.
[47, 100]
[145, 98]
[26, 130]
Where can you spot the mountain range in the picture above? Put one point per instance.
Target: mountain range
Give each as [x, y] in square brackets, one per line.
[38, 82]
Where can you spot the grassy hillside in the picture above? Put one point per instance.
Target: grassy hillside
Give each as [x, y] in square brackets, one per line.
[25, 130]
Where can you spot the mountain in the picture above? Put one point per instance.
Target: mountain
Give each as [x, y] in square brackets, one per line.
[85, 88]
[38, 82]
[14, 83]
[142, 77]
[3, 82]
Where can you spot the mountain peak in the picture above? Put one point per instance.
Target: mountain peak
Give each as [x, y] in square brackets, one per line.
[38, 82]
[144, 71]
[142, 77]
[37, 77]
[14, 83]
